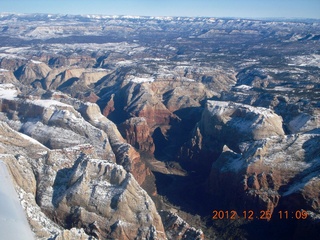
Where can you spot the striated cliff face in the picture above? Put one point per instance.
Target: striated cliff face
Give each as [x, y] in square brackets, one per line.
[254, 165]
[74, 180]
[137, 133]
[100, 197]
[275, 171]
[125, 154]
[73, 189]
[7, 76]
[58, 125]
[32, 71]
[177, 228]
[138, 100]
[226, 123]
[73, 78]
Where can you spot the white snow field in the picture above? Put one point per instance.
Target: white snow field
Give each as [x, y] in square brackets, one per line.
[13, 222]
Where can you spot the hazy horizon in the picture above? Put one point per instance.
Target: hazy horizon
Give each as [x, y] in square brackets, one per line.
[182, 8]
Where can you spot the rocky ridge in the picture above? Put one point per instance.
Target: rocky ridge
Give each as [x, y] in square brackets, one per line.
[79, 167]
[61, 174]
[221, 102]
[259, 167]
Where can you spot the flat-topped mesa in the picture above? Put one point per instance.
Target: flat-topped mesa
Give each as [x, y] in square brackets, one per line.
[250, 123]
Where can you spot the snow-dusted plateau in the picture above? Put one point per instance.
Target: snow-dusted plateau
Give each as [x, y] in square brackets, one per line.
[126, 127]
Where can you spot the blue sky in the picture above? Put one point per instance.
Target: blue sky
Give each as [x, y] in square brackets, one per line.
[210, 8]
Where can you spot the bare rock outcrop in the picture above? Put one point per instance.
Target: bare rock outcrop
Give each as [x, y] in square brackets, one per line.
[33, 70]
[254, 165]
[137, 133]
[125, 154]
[12, 63]
[7, 76]
[73, 188]
[275, 171]
[109, 108]
[177, 228]
[226, 123]
[58, 125]
[74, 233]
[90, 77]
[140, 101]
[74, 81]
[99, 196]
[305, 122]
[54, 78]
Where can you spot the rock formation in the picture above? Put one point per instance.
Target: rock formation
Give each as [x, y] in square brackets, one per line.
[81, 185]
[137, 134]
[177, 228]
[138, 100]
[257, 165]
[32, 71]
[270, 172]
[226, 123]
[235, 100]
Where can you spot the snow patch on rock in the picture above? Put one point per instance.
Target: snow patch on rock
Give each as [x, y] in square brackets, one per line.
[8, 91]
[48, 103]
[141, 79]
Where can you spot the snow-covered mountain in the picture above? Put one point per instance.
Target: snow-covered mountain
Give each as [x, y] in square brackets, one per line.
[126, 125]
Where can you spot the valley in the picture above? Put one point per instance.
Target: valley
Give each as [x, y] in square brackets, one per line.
[135, 127]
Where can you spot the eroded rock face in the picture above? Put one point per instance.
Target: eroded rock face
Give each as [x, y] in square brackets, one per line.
[7, 76]
[177, 228]
[72, 187]
[140, 101]
[74, 233]
[254, 164]
[275, 171]
[125, 154]
[80, 186]
[33, 70]
[226, 123]
[305, 122]
[241, 121]
[100, 197]
[137, 133]
[58, 125]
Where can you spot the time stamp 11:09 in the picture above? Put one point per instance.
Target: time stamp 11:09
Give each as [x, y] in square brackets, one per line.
[261, 215]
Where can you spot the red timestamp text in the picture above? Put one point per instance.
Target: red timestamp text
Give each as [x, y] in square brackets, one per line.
[298, 215]
[258, 215]
[246, 214]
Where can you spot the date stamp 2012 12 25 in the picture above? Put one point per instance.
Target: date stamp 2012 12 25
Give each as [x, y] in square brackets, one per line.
[261, 215]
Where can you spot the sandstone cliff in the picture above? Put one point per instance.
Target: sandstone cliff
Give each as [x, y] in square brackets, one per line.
[226, 123]
[74, 181]
[137, 133]
[177, 228]
[272, 172]
[32, 71]
[254, 165]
